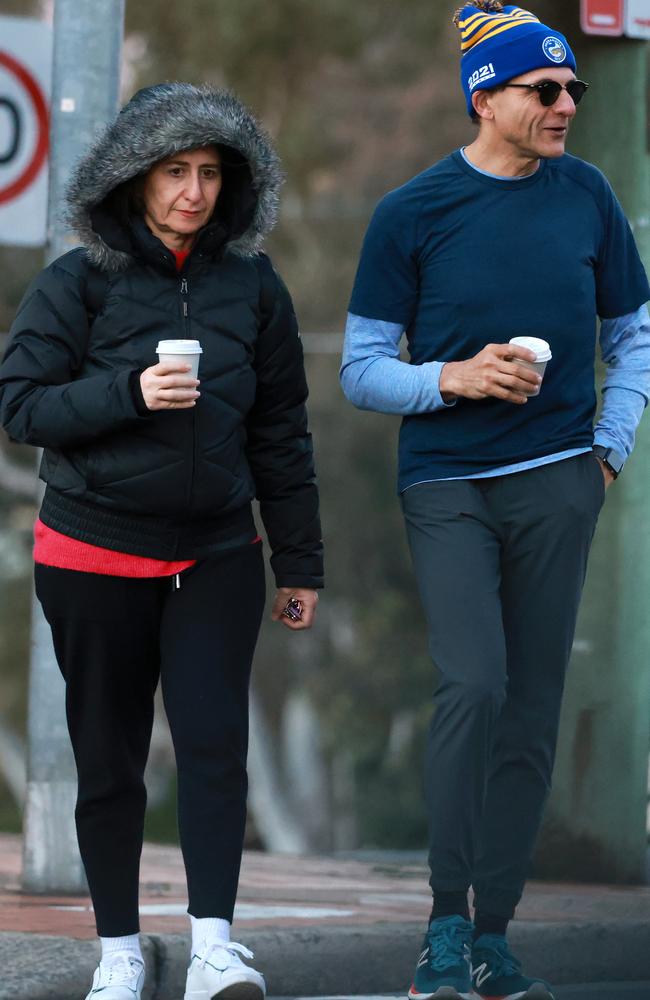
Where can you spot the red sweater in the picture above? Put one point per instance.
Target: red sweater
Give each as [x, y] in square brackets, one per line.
[51, 548]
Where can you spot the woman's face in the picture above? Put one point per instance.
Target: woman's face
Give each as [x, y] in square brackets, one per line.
[180, 194]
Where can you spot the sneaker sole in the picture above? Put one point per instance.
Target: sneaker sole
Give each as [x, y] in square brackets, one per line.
[236, 991]
[442, 993]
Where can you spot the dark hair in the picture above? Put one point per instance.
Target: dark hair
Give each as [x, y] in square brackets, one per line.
[134, 195]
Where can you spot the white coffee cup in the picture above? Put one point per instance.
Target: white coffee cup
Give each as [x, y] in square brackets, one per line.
[543, 354]
[182, 352]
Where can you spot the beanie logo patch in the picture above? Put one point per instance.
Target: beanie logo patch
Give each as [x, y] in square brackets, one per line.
[554, 49]
[481, 76]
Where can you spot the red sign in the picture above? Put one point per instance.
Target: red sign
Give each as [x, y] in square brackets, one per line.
[25, 71]
[38, 154]
[602, 17]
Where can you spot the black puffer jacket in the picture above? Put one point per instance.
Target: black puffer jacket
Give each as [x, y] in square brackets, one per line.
[169, 484]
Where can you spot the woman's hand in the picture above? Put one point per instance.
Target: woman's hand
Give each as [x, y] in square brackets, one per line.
[308, 599]
[167, 386]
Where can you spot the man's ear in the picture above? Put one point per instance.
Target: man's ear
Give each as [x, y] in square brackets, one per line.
[481, 104]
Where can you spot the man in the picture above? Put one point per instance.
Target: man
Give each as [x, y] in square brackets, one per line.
[501, 487]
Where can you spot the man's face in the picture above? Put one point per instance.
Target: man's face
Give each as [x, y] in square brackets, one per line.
[522, 121]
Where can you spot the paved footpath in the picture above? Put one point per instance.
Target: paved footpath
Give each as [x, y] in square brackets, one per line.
[586, 991]
[319, 927]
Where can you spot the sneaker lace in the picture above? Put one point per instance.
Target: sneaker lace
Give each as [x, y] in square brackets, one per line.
[121, 969]
[448, 945]
[501, 960]
[231, 946]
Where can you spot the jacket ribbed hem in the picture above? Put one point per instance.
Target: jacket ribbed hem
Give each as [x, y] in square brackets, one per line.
[153, 537]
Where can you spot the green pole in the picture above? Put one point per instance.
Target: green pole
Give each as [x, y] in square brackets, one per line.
[595, 828]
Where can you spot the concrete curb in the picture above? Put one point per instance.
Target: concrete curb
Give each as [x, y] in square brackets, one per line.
[327, 960]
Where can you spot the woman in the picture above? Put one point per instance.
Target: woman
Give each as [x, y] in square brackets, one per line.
[147, 558]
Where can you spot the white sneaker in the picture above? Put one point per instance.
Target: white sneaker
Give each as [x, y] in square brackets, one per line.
[220, 972]
[120, 978]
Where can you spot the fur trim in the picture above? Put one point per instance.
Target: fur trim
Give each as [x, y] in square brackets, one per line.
[156, 123]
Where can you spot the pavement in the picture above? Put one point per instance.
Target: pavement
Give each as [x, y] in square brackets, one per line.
[584, 991]
[319, 926]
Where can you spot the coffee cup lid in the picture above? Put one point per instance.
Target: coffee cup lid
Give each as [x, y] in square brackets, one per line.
[179, 347]
[536, 344]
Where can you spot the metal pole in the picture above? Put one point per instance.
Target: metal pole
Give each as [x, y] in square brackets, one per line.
[85, 85]
[596, 820]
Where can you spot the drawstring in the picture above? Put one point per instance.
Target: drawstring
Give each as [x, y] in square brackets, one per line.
[176, 581]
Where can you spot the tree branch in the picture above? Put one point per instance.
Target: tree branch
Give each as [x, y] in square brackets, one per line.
[277, 825]
[12, 762]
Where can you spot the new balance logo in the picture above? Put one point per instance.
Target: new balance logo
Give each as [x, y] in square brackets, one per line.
[422, 960]
[480, 76]
[480, 973]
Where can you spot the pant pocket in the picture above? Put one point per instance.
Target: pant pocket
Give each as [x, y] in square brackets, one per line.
[598, 472]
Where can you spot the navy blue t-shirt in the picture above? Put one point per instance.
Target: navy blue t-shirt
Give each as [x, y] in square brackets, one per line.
[462, 260]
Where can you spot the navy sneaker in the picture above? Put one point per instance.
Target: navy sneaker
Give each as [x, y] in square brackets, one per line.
[496, 973]
[442, 970]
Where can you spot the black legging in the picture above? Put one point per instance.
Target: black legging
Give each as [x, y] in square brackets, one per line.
[114, 637]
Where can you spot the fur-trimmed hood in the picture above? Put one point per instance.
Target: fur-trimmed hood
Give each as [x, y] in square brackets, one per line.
[156, 123]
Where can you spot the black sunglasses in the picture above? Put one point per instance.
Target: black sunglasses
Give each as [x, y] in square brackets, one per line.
[550, 90]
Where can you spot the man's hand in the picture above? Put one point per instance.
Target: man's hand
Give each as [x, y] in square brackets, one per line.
[492, 372]
[607, 473]
[167, 386]
[308, 599]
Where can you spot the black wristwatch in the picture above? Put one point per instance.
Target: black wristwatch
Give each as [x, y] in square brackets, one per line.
[612, 459]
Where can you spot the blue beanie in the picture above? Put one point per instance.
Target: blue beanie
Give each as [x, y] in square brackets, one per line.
[501, 42]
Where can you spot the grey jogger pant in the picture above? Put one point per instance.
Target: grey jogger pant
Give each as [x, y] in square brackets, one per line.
[500, 565]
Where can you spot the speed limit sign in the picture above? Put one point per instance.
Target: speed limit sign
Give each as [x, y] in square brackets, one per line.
[25, 69]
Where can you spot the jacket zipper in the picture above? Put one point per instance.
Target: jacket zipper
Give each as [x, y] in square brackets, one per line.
[186, 336]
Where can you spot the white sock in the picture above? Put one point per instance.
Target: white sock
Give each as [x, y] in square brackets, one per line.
[207, 931]
[130, 944]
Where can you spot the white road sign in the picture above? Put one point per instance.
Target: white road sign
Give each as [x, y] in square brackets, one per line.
[25, 71]
[602, 17]
[637, 18]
